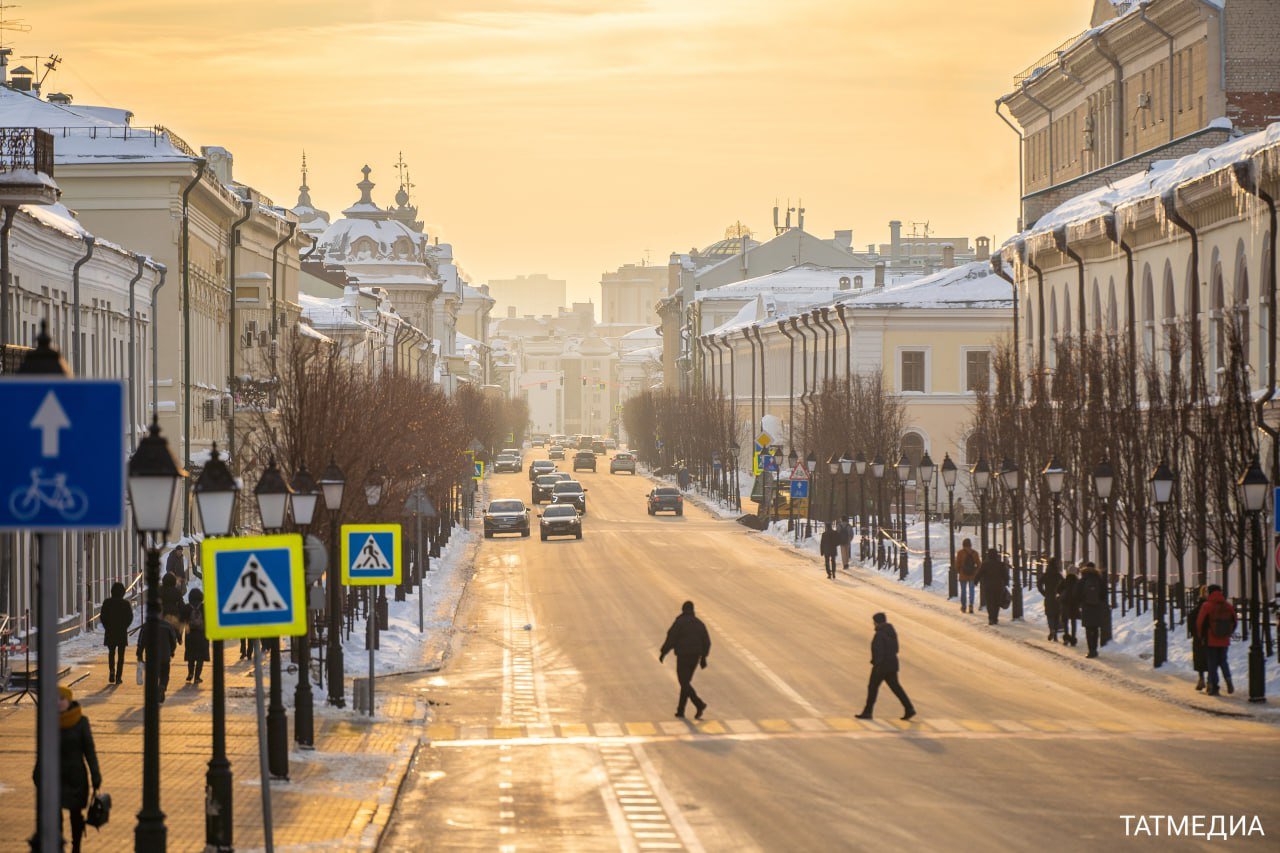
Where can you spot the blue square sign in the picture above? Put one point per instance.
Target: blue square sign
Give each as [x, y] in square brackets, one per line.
[63, 465]
[799, 488]
[370, 554]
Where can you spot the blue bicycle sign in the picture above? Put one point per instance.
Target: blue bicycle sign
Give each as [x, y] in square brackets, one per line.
[53, 492]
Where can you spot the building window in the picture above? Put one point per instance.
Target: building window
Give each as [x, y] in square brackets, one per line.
[912, 372]
[977, 370]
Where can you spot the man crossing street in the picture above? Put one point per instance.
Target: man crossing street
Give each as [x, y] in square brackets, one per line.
[688, 638]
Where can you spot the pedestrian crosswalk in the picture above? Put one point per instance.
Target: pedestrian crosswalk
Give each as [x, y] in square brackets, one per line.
[452, 735]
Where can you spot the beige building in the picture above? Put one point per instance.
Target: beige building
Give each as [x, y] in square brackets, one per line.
[536, 294]
[628, 296]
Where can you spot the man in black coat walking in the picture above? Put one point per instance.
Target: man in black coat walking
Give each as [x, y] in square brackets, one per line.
[116, 616]
[689, 639]
[884, 668]
[994, 578]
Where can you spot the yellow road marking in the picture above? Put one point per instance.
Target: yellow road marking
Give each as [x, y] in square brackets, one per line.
[775, 725]
[642, 729]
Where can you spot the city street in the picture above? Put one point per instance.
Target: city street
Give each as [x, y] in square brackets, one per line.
[553, 729]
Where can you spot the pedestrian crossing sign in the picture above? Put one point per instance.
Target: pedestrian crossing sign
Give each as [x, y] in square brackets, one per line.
[255, 587]
[370, 554]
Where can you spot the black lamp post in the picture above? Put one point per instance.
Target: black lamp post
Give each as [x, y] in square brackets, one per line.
[810, 465]
[877, 473]
[1162, 480]
[306, 494]
[980, 477]
[846, 468]
[903, 470]
[792, 460]
[153, 488]
[1103, 479]
[1253, 495]
[1054, 476]
[833, 468]
[949, 480]
[273, 494]
[1009, 475]
[864, 532]
[332, 483]
[216, 491]
[924, 476]
[374, 485]
[734, 449]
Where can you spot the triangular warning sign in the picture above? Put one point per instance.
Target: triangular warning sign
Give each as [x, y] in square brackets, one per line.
[254, 591]
[371, 556]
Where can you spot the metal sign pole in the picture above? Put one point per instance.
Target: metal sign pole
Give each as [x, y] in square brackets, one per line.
[422, 577]
[48, 740]
[369, 641]
[262, 746]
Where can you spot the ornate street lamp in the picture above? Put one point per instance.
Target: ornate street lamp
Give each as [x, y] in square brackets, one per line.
[810, 465]
[925, 476]
[306, 494]
[216, 490]
[1253, 496]
[734, 450]
[1054, 476]
[375, 484]
[332, 484]
[980, 477]
[273, 494]
[1103, 480]
[1009, 475]
[949, 480]
[833, 468]
[903, 469]
[1162, 481]
[846, 468]
[154, 474]
[877, 473]
[864, 530]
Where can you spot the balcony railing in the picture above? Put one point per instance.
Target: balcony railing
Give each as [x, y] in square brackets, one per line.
[26, 149]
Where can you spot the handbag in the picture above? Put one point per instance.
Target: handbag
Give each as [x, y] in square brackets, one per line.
[141, 672]
[99, 811]
[1006, 600]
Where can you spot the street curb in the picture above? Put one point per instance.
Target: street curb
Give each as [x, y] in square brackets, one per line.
[366, 830]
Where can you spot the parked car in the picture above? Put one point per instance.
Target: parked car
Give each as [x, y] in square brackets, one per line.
[570, 492]
[584, 459]
[561, 520]
[513, 451]
[555, 451]
[538, 467]
[623, 461]
[666, 499]
[508, 515]
[598, 448]
[541, 489]
[506, 463]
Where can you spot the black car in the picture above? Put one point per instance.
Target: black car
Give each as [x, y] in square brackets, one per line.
[570, 492]
[666, 499]
[598, 448]
[509, 464]
[541, 489]
[538, 467]
[584, 459]
[561, 520]
[508, 515]
[555, 451]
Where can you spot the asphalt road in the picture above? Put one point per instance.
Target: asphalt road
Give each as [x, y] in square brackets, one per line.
[554, 730]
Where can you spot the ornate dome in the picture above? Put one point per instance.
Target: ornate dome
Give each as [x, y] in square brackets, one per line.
[367, 233]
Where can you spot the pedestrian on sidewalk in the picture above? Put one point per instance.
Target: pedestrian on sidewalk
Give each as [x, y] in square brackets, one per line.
[116, 616]
[168, 645]
[828, 545]
[688, 638]
[683, 477]
[77, 751]
[845, 529]
[884, 668]
[1199, 652]
[1069, 605]
[197, 645]
[1049, 583]
[968, 563]
[994, 577]
[1091, 592]
[171, 601]
[1216, 623]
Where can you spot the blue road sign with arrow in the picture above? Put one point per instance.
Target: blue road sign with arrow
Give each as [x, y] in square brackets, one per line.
[799, 488]
[258, 586]
[63, 460]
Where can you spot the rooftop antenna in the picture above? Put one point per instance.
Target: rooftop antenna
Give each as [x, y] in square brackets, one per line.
[918, 231]
[50, 65]
[790, 210]
[8, 25]
[800, 215]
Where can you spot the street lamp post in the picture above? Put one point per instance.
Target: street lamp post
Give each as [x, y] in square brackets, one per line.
[833, 468]
[734, 449]
[877, 472]
[332, 484]
[980, 476]
[306, 494]
[1009, 474]
[273, 494]
[949, 480]
[1253, 495]
[846, 468]
[1054, 476]
[153, 487]
[903, 469]
[924, 474]
[810, 465]
[792, 461]
[1162, 481]
[374, 485]
[215, 491]
[1103, 480]
[864, 532]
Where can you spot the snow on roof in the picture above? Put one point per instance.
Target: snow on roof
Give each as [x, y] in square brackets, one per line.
[747, 315]
[1160, 177]
[87, 134]
[971, 285]
[647, 333]
[307, 332]
[330, 313]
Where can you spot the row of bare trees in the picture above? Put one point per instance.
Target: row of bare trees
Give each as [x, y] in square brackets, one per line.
[668, 429]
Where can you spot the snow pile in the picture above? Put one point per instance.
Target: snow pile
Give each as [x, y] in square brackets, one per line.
[971, 285]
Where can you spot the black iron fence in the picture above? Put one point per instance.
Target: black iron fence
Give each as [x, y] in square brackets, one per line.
[26, 149]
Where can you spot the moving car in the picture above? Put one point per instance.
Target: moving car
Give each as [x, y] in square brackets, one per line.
[623, 461]
[555, 451]
[611, 444]
[598, 448]
[570, 492]
[561, 520]
[666, 499]
[508, 515]
[513, 451]
[584, 442]
[538, 441]
[539, 467]
[506, 462]
[584, 459]
[541, 489]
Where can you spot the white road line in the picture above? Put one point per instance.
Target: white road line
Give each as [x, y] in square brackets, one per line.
[678, 822]
[621, 830]
[769, 675]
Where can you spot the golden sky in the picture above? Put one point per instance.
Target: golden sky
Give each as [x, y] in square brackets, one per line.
[570, 136]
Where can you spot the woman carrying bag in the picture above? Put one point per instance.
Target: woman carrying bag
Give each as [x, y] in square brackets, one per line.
[77, 754]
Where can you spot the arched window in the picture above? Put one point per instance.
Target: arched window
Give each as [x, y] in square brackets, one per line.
[972, 449]
[1113, 315]
[1097, 308]
[1066, 313]
[912, 444]
[1148, 313]
[1053, 329]
[364, 248]
[1217, 331]
[1169, 317]
[1242, 306]
[1264, 314]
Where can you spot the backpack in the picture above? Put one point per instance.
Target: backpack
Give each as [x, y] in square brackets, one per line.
[1092, 591]
[1222, 621]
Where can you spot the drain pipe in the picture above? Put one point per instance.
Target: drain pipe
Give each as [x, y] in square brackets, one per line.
[804, 371]
[760, 342]
[791, 383]
[826, 321]
[1111, 227]
[77, 354]
[848, 349]
[155, 348]
[746, 333]
[141, 261]
[1170, 201]
[9, 211]
[733, 383]
[233, 337]
[1168, 37]
[275, 291]
[1022, 151]
[1243, 172]
[997, 266]
[1060, 240]
[186, 340]
[1118, 119]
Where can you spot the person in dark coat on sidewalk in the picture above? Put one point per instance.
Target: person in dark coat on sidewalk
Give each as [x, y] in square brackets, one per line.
[884, 668]
[688, 638]
[116, 616]
[1069, 605]
[197, 645]
[76, 753]
[829, 547]
[994, 578]
[171, 600]
[1049, 583]
[1199, 652]
[168, 641]
[968, 564]
[1091, 597]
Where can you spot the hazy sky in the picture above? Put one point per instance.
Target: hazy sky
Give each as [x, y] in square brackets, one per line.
[570, 136]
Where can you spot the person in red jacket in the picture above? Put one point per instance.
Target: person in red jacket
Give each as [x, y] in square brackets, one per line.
[1215, 624]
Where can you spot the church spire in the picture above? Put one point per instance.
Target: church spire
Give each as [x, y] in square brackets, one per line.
[366, 187]
[304, 191]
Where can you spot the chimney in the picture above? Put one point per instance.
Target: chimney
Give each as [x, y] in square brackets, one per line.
[844, 240]
[895, 238]
[880, 274]
[673, 274]
[983, 248]
[948, 256]
[6, 52]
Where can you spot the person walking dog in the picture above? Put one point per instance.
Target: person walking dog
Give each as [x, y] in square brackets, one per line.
[688, 638]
